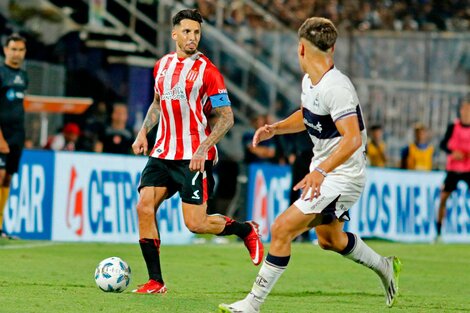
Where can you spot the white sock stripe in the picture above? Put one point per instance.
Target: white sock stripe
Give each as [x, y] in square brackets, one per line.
[274, 265]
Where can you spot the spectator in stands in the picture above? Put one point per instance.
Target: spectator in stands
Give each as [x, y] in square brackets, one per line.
[94, 126]
[265, 152]
[66, 140]
[359, 15]
[13, 84]
[418, 155]
[456, 144]
[117, 138]
[376, 148]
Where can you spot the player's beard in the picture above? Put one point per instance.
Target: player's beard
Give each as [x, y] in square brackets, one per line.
[190, 52]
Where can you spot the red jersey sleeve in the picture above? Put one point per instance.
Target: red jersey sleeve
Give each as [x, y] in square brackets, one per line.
[215, 87]
[214, 81]
[155, 68]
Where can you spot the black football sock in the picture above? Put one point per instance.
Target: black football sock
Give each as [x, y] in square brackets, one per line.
[233, 227]
[151, 252]
[438, 228]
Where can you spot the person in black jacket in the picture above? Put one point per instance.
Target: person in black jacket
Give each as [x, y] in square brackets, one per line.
[117, 138]
[13, 83]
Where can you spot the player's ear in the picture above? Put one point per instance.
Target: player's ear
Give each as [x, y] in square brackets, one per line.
[173, 34]
[301, 49]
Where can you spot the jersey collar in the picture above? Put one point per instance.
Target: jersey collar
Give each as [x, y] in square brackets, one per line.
[194, 57]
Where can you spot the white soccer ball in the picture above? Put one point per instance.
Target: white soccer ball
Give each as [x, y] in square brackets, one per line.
[113, 275]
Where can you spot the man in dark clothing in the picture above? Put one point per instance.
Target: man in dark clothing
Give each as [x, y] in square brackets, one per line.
[13, 83]
[117, 138]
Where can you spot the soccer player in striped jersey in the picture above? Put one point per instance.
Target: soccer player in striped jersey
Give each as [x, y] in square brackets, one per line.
[188, 87]
[331, 114]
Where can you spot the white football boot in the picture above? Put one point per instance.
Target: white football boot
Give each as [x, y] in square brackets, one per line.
[390, 279]
[242, 306]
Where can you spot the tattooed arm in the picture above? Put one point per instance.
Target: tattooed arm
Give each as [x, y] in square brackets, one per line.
[224, 122]
[140, 145]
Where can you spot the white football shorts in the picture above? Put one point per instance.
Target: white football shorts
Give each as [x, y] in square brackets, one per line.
[337, 195]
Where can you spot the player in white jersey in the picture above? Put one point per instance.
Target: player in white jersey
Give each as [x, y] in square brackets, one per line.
[188, 87]
[332, 116]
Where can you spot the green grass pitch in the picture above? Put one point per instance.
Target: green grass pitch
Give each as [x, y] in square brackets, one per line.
[38, 276]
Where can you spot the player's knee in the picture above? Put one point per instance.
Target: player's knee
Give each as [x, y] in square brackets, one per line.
[326, 243]
[276, 228]
[145, 208]
[279, 231]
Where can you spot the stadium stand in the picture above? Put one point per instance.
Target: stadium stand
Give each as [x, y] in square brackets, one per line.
[402, 77]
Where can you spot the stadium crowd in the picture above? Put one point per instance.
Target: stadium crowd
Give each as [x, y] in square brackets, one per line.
[244, 18]
[362, 15]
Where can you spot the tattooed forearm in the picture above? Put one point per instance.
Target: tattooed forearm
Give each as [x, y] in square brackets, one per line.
[224, 123]
[153, 114]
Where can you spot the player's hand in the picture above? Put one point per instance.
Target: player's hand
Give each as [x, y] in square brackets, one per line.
[311, 182]
[140, 145]
[4, 147]
[263, 133]
[198, 160]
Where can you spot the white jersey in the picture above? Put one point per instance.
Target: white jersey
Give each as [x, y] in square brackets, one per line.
[333, 98]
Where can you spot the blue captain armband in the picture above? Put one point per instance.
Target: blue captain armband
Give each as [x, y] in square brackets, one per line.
[220, 100]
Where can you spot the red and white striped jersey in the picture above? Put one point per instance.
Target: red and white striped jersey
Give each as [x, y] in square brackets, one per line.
[188, 88]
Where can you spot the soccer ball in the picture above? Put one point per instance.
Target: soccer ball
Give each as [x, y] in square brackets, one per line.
[112, 275]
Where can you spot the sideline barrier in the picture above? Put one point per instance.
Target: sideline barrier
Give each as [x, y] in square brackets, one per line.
[396, 205]
[73, 196]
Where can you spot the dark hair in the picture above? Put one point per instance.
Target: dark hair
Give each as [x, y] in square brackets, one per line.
[320, 31]
[375, 127]
[187, 15]
[14, 37]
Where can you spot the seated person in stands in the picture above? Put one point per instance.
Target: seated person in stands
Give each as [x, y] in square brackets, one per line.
[66, 140]
[116, 138]
[265, 151]
[418, 155]
[376, 148]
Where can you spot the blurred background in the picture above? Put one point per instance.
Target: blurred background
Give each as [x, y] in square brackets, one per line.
[409, 61]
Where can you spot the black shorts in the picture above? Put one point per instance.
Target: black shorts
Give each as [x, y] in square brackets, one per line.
[453, 178]
[11, 161]
[194, 187]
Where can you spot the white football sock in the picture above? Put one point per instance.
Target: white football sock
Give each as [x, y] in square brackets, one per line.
[265, 281]
[363, 254]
